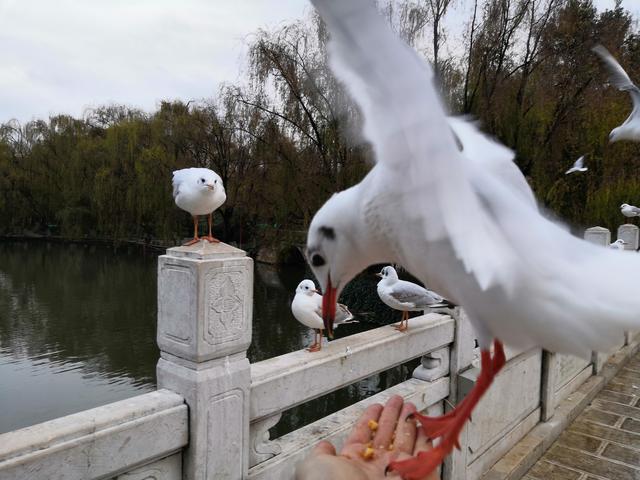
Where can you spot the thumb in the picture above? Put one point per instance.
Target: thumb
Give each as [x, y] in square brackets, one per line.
[323, 448]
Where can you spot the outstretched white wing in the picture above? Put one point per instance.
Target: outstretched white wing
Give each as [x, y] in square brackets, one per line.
[539, 284]
[619, 78]
[407, 126]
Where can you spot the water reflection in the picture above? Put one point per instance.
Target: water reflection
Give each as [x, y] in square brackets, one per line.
[78, 329]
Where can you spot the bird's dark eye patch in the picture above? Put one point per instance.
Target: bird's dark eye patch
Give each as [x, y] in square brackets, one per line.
[328, 232]
[317, 260]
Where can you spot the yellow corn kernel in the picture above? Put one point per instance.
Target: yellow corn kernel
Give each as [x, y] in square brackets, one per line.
[368, 453]
[373, 425]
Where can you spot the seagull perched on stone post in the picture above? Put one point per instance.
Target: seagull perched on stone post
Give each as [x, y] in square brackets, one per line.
[465, 230]
[199, 191]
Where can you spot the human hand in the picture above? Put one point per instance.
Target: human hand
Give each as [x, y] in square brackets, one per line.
[394, 439]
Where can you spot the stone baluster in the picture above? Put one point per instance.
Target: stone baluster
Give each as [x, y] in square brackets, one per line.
[598, 235]
[205, 301]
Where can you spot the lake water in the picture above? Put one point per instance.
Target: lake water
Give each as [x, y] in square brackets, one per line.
[78, 329]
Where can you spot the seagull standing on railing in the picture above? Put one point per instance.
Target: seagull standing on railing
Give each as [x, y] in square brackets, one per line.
[307, 308]
[618, 244]
[578, 166]
[630, 129]
[199, 191]
[406, 296]
[464, 230]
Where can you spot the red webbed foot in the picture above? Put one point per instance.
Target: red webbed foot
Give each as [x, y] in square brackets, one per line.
[448, 426]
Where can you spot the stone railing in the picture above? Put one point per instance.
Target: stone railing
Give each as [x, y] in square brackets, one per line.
[211, 416]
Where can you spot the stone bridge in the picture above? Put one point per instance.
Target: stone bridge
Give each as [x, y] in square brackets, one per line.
[568, 418]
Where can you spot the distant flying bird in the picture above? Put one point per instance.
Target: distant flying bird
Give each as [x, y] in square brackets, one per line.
[578, 166]
[630, 129]
[199, 191]
[466, 231]
[307, 308]
[406, 296]
[629, 210]
[618, 244]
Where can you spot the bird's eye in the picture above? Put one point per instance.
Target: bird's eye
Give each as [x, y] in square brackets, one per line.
[215, 181]
[202, 180]
[317, 260]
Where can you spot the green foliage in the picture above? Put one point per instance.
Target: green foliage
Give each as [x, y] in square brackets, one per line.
[282, 142]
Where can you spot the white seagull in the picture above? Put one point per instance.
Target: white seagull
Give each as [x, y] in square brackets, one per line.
[629, 211]
[618, 244]
[199, 191]
[467, 232]
[630, 129]
[307, 308]
[578, 166]
[406, 296]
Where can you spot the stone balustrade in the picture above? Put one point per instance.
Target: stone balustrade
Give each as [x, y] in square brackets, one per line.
[212, 415]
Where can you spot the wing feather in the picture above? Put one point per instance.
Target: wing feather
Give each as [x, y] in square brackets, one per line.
[407, 127]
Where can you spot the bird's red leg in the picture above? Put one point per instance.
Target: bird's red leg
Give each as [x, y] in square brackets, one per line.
[404, 323]
[195, 238]
[449, 426]
[210, 238]
[317, 345]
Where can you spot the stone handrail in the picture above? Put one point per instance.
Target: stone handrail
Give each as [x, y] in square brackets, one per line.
[140, 435]
[283, 382]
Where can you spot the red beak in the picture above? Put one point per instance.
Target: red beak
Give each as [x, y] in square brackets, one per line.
[329, 301]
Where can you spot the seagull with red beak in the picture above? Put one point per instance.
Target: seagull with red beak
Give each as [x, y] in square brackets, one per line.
[307, 308]
[451, 209]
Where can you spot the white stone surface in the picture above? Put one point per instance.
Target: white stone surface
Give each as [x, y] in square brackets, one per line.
[98, 443]
[514, 395]
[169, 468]
[629, 233]
[282, 382]
[205, 299]
[296, 445]
[433, 366]
[598, 235]
[505, 414]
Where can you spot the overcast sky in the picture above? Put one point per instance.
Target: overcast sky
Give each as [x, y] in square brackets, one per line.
[66, 55]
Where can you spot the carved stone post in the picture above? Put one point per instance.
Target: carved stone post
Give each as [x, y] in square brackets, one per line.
[629, 233]
[205, 301]
[598, 235]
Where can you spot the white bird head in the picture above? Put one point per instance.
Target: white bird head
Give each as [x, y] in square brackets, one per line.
[306, 287]
[334, 250]
[208, 180]
[624, 205]
[388, 273]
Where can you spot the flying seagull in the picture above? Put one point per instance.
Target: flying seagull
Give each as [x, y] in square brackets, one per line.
[406, 296]
[199, 191]
[630, 129]
[578, 166]
[466, 231]
[307, 308]
[629, 211]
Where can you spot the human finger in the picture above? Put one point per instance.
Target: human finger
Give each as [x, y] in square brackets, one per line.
[423, 443]
[387, 422]
[323, 448]
[361, 432]
[406, 430]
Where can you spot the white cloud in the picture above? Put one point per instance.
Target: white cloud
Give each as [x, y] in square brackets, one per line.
[64, 56]
[60, 57]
